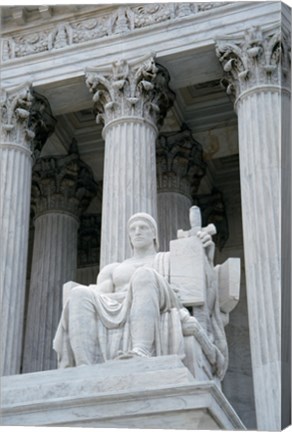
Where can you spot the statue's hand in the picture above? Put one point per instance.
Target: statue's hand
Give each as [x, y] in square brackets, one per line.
[205, 238]
[207, 243]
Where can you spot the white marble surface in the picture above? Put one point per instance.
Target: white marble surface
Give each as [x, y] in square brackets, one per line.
[260, 171]
[187, 270]
[142, 393]
[54, 262]
[15, 183]
[261, 91]
[129, 184]
[172, 212]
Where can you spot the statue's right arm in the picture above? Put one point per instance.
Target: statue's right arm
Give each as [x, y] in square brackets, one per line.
[105, 279]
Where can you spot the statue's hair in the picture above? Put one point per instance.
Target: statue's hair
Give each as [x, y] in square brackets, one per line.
[150, 221]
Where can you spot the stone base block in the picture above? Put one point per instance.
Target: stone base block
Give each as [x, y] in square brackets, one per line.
[156, 393]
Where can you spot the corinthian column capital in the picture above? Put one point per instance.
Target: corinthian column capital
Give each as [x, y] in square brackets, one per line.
[15, 112]
[180, 164]
[41, 121]
[130, 90]
[62, 183]
[26, 119]
[256, 59]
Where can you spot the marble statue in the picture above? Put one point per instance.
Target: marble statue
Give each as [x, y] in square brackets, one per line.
[132, 310]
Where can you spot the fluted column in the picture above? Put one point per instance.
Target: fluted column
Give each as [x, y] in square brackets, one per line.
[180, 167]
[131, 99]
[15, 171]
[88, 248]
[62, 187]
[257, 70]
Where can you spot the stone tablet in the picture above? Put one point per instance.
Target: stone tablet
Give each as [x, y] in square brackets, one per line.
[187, 270]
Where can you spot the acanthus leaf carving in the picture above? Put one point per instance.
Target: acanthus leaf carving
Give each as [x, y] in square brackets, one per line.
[126, 90]
[180, 163]
[255, 59]
[62, 183]
[15, 116]
[41, 120]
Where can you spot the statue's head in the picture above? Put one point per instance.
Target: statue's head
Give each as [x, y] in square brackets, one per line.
[150, 221]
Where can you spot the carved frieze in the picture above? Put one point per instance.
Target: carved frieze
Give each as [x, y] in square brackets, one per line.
[62, 183]
[137, 89]
[180, 164]
[15, 113]
[256, 59]
[125, 18]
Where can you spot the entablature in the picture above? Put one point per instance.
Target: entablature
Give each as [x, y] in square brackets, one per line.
[59, 47]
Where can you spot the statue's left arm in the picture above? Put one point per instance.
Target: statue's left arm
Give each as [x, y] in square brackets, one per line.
[207, 242]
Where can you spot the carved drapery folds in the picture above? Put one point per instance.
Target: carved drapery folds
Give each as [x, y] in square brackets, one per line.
[127, 89]
[15, 112]
[180, 164]
[63, 183]
[255, 60]
[120, 21]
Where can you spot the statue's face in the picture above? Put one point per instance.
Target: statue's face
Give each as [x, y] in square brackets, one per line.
[141, 234]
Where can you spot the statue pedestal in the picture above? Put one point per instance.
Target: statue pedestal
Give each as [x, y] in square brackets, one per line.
[155, 393]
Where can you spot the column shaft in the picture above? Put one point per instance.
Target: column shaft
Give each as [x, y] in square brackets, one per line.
[257, 66]
[59, 195]
[180, 167]
[259, 121]
[15, 183]
[129, 183]
[173, 214]
[131, 99]
[54, 263]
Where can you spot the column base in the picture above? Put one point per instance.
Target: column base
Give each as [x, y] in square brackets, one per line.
[155, 393]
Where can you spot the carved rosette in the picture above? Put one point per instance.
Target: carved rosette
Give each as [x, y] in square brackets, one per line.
[130, 90]
[180, 164]
[257, 59]
[15, 112]
[62, 183]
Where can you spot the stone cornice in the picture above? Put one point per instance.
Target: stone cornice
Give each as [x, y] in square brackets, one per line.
[96, 26]
[256, 60]
[130, 90]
